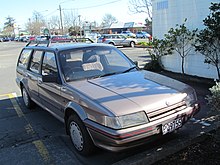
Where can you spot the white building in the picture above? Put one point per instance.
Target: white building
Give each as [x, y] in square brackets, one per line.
[168, 13]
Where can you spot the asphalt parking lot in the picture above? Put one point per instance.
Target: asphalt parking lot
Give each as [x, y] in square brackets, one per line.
[35, 137]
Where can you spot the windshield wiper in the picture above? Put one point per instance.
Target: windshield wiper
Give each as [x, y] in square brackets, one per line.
[108, 74]
[128, 70]
[104, 75]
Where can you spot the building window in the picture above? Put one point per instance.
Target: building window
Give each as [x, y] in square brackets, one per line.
[162, 5]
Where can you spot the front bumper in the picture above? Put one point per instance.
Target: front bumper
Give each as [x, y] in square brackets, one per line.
[117, 140]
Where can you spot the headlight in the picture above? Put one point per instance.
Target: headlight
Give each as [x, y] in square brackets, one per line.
[191, 98]
[126, 121]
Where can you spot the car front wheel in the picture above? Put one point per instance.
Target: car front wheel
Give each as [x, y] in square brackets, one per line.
[79, 136]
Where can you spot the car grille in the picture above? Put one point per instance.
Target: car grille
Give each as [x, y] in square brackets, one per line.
[163, 112]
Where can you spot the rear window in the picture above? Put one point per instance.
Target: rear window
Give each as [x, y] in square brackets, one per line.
[24, 58]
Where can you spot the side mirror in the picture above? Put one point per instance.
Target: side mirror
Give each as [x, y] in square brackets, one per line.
[53, 78]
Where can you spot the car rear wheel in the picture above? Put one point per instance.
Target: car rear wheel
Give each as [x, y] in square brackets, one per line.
[26, 98]
[111, 43]
[132, 44]
[79, 136]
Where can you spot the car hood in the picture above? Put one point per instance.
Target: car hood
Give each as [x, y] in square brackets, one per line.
[134, 91]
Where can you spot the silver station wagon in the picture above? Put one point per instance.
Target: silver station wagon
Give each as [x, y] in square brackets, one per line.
[103, 98]
[117, 40]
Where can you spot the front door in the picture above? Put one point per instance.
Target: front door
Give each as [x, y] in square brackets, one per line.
[49, 93]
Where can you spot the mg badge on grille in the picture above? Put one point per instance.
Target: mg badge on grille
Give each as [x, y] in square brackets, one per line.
[167, 103]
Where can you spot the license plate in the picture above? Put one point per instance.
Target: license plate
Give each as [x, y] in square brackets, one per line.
[171, 126]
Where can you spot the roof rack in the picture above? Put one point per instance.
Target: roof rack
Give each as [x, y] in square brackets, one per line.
[37, 43]
[48, 42]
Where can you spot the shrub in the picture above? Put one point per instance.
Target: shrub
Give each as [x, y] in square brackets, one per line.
[160, 48]
[153, 65]
[143, 43]
[181, 40]
[214, 98]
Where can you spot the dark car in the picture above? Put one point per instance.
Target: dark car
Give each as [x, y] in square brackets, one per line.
[4, 39]
[103, 98]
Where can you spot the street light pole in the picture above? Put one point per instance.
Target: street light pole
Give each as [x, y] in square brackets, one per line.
[61, 20]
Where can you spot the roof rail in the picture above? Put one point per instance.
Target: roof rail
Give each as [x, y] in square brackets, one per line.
[37, 43]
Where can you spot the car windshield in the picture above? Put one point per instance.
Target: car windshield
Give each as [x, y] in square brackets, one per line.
[93, 62]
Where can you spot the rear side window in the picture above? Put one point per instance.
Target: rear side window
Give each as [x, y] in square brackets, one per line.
[49, 66]
[35, 61]
[24, 58]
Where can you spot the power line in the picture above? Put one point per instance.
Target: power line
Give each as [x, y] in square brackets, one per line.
[51, 13]
[93, 6]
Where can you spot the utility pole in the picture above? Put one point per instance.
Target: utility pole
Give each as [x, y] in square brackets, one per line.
[61, 19]
[80, 27]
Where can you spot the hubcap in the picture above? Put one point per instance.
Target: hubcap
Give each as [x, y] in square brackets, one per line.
[25, 97]
[76, 136]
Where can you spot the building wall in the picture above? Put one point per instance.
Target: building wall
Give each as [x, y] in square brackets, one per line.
[168, 13]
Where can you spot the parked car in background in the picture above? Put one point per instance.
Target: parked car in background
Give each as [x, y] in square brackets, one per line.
[61, 38]
[40, 38]
[24, 38]
[143, 34]
[117, 40]
[103, 98]
[4, 39]
[16, 39]
[128, 34]
[31, 38]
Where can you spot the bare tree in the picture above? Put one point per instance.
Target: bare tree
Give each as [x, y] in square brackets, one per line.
[70, 20]
[35, 25]
[54, 22]
[141, 6]
[108, 20]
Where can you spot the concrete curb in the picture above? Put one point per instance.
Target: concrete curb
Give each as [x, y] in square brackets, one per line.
[186, 77]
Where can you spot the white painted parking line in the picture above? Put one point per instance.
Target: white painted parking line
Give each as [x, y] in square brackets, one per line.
[41, 148]
[16, 106]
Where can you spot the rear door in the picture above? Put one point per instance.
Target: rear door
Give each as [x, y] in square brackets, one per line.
[118, 39]
[124, 40]
[33, 74]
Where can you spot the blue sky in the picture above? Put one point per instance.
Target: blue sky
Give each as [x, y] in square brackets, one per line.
[90, 10]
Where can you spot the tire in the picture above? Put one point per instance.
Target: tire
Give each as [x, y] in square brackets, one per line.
[111, 43]
[26, 98]
[132, 44]
[79, 136]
